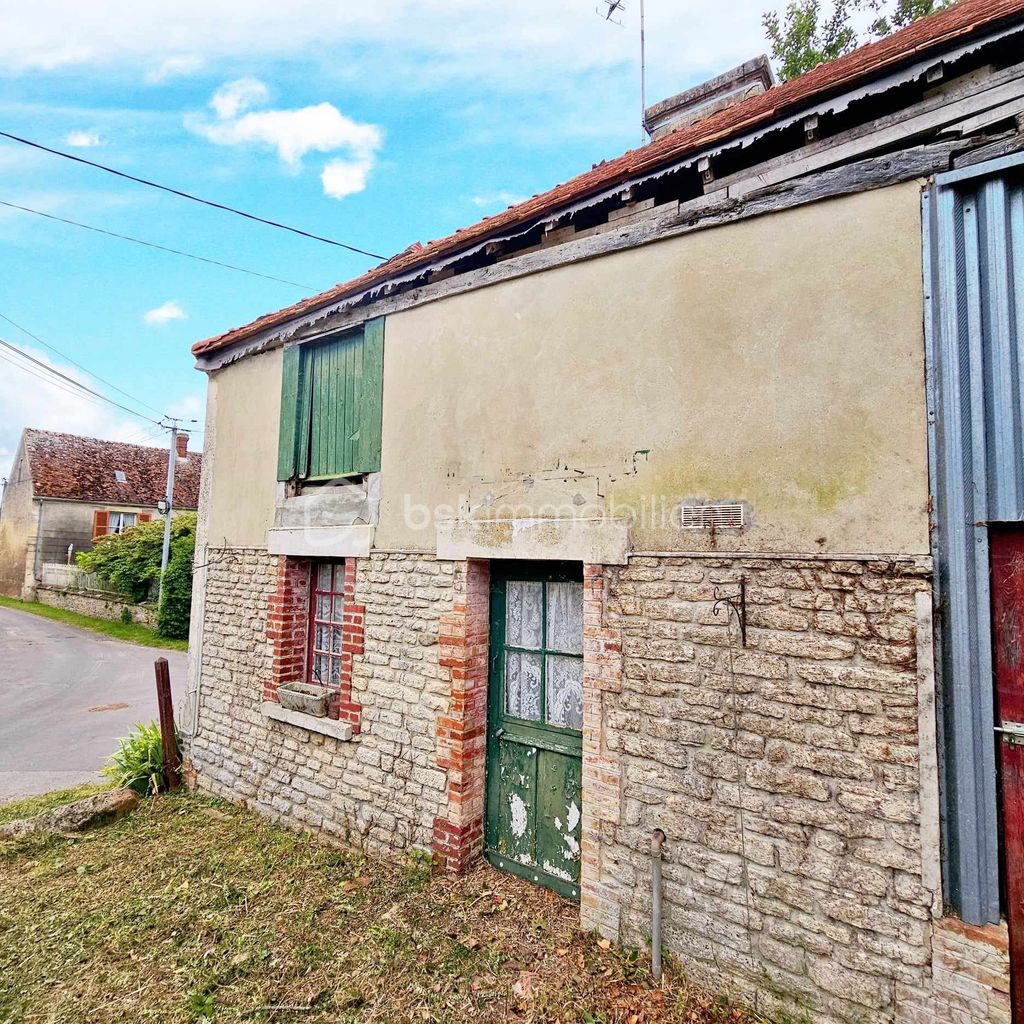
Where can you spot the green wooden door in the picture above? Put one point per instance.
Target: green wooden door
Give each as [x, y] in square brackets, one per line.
[535, 722]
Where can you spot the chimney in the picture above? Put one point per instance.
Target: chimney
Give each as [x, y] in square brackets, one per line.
[181, 441]
[701, 101]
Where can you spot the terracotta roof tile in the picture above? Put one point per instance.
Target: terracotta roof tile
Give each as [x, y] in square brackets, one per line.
[926, 34]
[83, 468]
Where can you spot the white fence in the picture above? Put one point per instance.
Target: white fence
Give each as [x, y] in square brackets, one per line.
[70, 577]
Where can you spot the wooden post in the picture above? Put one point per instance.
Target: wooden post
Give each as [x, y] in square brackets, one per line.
[172, 757]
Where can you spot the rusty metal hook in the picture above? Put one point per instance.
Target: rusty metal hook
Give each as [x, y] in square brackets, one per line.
[737, 604]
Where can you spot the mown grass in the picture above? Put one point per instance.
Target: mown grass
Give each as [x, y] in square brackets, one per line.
[190, 910]
[131, 633]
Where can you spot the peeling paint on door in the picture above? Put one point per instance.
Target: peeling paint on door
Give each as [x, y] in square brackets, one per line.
[534, 766]
[518, 809]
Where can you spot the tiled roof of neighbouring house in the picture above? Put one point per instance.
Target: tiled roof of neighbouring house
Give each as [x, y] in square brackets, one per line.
[923, 36]
[88, 469]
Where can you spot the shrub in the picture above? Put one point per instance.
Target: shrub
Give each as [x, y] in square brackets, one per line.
[138, 762]
[130, 562]
[172, 616]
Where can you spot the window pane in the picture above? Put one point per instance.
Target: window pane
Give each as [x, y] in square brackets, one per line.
[336, 641]
[522, 685]
[335, 672]
[565, 617]
[339, 609]
[324, 577]
[323, 608]
[320, 638]
[523, 614]
[565, 692]
[320, 668]
[129, 519]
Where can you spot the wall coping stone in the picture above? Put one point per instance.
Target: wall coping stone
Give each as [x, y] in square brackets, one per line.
[325, 726]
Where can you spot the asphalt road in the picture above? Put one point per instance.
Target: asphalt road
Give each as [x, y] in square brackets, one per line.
[66, 697]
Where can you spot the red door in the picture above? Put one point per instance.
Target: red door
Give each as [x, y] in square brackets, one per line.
[1007, 547]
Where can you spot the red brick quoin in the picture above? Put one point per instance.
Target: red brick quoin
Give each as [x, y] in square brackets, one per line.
[462, 733]
[342, 706]
[288, 633]
[288, 624]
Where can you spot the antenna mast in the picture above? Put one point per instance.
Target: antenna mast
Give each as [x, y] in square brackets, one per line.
[615, 7]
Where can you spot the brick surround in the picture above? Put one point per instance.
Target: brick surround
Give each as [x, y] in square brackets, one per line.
[343, 705]
[288, 633]
[288, 624]
[462, 732]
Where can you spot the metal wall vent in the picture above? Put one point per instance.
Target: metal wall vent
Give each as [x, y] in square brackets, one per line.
[725, 516]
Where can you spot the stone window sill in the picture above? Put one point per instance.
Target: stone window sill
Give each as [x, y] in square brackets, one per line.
[325, 726]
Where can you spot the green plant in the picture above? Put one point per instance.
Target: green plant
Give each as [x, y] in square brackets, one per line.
[172, 617]
[130, 561]
[138, 762]
[126, 616]
[804, 36]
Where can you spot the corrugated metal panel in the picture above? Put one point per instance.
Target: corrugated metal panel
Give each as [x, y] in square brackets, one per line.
[974, 237]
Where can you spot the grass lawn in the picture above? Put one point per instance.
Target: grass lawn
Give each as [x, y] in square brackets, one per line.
[190, 910]
[131, 633]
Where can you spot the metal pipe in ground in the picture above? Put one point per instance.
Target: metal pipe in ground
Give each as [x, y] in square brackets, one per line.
[657, 842]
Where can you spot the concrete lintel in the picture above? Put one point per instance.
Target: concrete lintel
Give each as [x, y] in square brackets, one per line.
[321, 542]
[325, 726]
[593, 541]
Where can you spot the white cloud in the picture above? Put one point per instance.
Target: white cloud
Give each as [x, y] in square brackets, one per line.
[497, 200]
[164, 314]
[321, 128]
[173, 67]
[342, 178]
[28, 400]
[234, 97]
[83, 139]
[523, 46]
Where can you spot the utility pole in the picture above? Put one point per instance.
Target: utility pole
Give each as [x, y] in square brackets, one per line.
[172, 458]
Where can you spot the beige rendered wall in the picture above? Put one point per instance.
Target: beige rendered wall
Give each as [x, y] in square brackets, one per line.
[17, 528]
[244, 403]
[778, 361]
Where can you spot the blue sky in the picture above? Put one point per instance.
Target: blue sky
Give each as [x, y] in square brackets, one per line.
[379, 124]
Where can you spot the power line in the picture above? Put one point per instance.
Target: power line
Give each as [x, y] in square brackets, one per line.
[46, 344]
[188, 195]
[154, 245]
[73, 382]
[59, 385]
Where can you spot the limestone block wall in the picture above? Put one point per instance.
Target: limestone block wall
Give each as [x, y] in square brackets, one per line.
[794, 776]
[381, 790]
[97, 605]
[786, 774]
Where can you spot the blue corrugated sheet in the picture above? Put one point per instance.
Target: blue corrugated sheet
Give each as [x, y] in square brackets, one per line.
[974, 248]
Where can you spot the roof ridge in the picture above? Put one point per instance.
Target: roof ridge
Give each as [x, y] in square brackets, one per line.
[863, 63]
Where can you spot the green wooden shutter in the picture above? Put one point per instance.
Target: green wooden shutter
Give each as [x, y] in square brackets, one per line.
[344, 398]
[371, 396]
[288, 447]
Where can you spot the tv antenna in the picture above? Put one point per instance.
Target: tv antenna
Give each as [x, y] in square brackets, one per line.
[612, 11]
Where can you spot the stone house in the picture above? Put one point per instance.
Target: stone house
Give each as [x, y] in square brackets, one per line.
[65, 491]
[666, 500]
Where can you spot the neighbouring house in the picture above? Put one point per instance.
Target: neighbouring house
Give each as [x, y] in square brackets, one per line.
[66, 491]
[667, 499]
